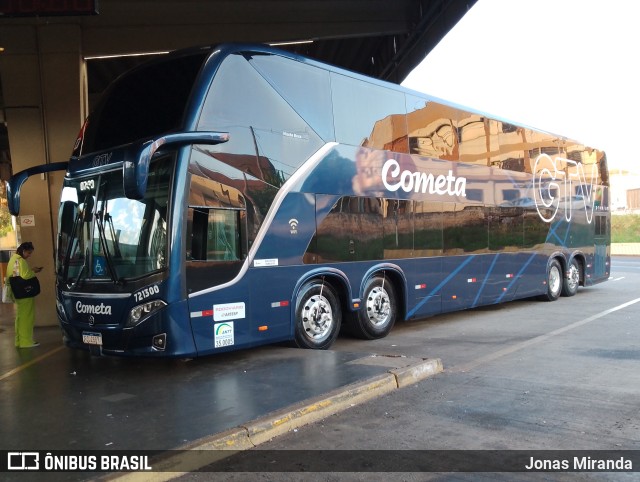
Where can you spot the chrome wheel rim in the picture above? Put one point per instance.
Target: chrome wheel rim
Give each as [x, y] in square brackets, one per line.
[317, 318]
[573, 277]
[378, 306]
[554, 279]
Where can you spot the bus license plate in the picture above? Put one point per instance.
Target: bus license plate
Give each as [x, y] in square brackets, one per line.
[92, 338]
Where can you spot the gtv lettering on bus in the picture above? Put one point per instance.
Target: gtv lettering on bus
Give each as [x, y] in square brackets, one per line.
[548, 178]
[100, 309]
[422, 182]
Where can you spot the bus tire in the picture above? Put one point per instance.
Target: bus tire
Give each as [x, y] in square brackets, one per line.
[378, 312]
[572, 279]
[318, 316]
[554, 281]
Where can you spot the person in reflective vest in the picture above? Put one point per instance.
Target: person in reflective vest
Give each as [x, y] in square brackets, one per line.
[25, 307]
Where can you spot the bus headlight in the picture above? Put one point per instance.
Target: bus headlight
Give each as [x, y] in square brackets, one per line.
[140, 312]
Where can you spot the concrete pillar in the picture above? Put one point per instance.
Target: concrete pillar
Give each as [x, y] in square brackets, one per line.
[44, 89]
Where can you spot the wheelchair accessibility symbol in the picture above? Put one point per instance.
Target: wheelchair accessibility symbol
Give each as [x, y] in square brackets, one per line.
[99, 266]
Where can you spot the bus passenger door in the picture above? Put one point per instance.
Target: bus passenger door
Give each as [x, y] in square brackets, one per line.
[216, 253]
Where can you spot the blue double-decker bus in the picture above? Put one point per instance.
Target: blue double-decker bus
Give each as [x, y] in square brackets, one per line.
[226, 197]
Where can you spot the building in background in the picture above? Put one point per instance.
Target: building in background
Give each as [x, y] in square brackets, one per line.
[625, 192]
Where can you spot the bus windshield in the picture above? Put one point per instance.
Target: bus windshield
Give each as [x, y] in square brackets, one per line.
[103, 235]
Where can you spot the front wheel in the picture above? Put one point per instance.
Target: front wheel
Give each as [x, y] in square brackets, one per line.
[318, 316]
[554, 281]
[572, 279]
[377, 315]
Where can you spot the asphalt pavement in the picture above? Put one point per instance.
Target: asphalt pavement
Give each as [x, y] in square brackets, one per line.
[523, 379]
[53, 398]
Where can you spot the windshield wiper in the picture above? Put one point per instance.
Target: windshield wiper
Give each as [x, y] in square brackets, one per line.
[112, 231]
[105, 245]
[84, 265]
[81, 217]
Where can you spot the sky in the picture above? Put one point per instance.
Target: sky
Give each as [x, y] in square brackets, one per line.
[569, 67]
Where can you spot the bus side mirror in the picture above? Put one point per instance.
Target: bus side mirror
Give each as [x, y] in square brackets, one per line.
[135, 171]
[16, 181]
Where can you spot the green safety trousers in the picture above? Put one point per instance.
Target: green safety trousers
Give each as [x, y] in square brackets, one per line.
[25, 319]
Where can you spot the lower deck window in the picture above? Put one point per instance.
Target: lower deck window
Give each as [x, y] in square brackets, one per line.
[216, 246]
[215, 234]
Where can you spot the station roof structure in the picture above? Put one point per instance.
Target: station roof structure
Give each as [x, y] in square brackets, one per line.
[385, 39]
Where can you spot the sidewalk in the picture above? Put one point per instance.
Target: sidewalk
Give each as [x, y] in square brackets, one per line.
[54, 397]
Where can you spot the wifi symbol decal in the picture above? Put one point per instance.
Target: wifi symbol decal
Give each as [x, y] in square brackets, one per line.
[293, 223]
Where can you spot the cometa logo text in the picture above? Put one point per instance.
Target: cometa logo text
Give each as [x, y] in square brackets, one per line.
[100, 309]
[422, 182]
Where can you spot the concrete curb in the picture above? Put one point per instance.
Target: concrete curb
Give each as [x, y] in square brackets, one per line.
[309, 411]
[225, 444]
[414, 373]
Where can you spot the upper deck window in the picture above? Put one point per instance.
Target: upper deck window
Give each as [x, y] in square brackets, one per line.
[144, 103]
[269, 137]
[369, 115]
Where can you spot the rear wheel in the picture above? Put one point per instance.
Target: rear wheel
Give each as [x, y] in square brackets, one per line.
[554, 281]
[572, 279]
[318, 316]
[377, 315]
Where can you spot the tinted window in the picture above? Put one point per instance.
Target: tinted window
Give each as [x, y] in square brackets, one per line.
[433, 129]
[398, 229]
[352, 231]
[262, 125]
[506, 228]
[601, 225]
[368, 115]
[216, 232]
[144, 103]
[306, 88]
[476, 140]
[511, 139]
[428, 229]
[465, 229]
